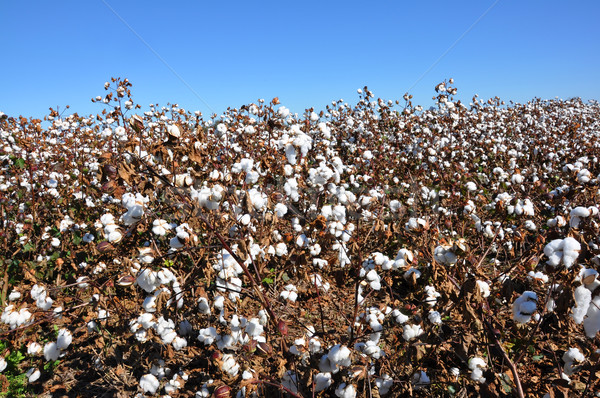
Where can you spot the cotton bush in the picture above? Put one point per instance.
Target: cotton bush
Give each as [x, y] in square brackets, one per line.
[375, 246]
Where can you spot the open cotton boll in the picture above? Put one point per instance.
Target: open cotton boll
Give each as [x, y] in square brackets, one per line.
[254, 328]
[384, 383]
[290, 293]
[537, 276]
[583, 299]
[149, 383]
[33, 348]
[411, 332]
[524, 307]
[399, 317]
[420, 380]
[339, 355]
[322, 381]
[160, 227]
[374, 279]
[444, 255]
[229, 365]
[64, 339]
[477, 365]
[33, 374]
[179, 343]
[51, 351]
[580, 211]
[3, 364]
[148, 280]
[571, 250]
[484, 288]
[591, 323]
[14, 295]
[280, 210]
[434, 317]
[203, 306]
[431, 295]
[565, 250]
[571, 356]
[208, 335]
[345, 391]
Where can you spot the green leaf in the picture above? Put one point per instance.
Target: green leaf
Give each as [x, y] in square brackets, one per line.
[76, 237]
[20, 163]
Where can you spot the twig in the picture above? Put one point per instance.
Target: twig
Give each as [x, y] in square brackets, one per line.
[510, 364]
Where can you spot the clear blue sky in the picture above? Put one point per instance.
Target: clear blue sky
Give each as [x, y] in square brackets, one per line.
[305, 52]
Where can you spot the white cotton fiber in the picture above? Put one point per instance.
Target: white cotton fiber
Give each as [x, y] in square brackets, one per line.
[591, 324]
[583, 298]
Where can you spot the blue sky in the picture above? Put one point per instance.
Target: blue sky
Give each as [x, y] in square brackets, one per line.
[57, 53]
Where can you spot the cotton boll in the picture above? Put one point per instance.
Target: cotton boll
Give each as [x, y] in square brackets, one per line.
[254, 328]
[290, 293]
[591, 324]
[219, 302]
[14, 295]
[558, 221]
[345, 391]
[471, 186]
[399, 317]
[408, 274]
[583, 299]
[51, 351]
[33, 348]
[3, 364]
[322, 381]
[280, 210]
[148, 280]
[149, 383]
[444, 255]
[420, 380]
[477, 365]
[571, 250]
[208, 335]
[435, 317]
[411, 332]
[64, 339]
[570, 357]
[339, 355]
[374, 279]
[537, 276]
[179, 343]
[33, 374]
[203, 306]
[229, 365]
[565, 250]
[484, 288]
[524, 307]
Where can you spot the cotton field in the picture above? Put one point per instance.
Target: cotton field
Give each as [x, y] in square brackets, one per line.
[371, 249]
